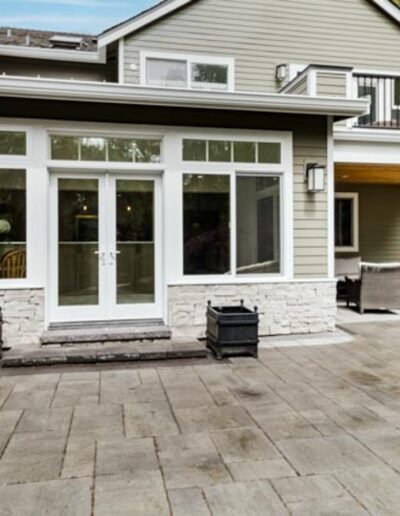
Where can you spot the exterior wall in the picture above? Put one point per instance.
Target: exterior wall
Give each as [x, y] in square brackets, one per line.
[24, 308]
[260, 35]
[379, 221]
[331, 84]
[285, 308]
[310, 210]
[23, 314]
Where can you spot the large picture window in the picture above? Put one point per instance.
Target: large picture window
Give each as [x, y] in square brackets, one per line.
[206, 215]
[346, 222]
[258, 225]
[208, 237]
[12, 224]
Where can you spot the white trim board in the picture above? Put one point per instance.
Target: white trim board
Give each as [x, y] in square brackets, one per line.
[168, 6]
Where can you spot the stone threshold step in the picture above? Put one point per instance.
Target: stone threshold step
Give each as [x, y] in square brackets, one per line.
[112, 333]
[103, 354]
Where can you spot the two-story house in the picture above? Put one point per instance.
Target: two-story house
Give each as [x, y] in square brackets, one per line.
[194, 152]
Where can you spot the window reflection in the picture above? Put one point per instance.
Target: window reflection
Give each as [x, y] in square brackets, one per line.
[206, 224]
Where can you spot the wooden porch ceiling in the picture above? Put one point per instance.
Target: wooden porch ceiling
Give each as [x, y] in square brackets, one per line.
[367, 173]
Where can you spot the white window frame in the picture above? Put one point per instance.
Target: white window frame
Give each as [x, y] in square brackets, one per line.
[35, 219]
[284, 170]
[355, 218]
[190, 59]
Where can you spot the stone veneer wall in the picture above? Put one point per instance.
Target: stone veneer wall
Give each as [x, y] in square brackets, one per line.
[23, 315]
[285, 308]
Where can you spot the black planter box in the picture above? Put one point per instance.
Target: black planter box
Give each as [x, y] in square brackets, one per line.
[232, 330]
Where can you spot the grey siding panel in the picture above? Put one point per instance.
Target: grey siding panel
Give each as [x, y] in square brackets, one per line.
[331, 84]
[260, 34]
[310, 210]
[379, 221]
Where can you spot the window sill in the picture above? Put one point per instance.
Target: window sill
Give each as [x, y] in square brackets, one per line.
[244, 281]
[15, 284]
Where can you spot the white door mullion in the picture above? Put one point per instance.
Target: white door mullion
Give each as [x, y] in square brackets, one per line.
[232, 225]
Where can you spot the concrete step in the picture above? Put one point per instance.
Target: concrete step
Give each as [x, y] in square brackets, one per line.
[106, 333]
[105, 352]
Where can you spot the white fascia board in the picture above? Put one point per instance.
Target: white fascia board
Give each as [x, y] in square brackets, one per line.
[140, 21]
[389, 8]
[367, 135]
[122, 94]
[54, 54]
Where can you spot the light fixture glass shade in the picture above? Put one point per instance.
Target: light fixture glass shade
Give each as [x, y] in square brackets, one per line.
[316, 178]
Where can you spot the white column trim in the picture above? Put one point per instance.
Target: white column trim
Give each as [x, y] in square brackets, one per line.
[330, 181]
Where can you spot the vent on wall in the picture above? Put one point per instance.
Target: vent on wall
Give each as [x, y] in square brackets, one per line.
[60, 41]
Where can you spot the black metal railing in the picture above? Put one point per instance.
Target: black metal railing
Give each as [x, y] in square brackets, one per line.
[384, 94]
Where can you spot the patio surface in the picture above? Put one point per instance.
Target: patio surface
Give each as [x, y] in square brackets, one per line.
[303, 430]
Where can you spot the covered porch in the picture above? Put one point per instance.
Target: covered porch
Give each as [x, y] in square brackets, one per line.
[367, 239]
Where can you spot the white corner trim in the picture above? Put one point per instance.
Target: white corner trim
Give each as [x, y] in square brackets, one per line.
[54, 54]
[121, 61]
[331, 199]
[86, 91]
[136, 23]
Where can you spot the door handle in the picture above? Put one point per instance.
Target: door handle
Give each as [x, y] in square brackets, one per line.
[102, 256]
[113, 256]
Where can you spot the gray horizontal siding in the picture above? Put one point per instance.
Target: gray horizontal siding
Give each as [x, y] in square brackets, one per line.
[310, 210]
[331, 84]
[261, 34]
[379, 221]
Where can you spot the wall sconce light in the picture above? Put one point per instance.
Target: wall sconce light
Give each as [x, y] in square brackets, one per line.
[315, 177]
[281, 72]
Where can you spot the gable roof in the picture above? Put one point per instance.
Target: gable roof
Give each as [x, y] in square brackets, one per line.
[166, 7]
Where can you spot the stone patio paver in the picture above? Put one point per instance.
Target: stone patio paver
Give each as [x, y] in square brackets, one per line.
[302, 430]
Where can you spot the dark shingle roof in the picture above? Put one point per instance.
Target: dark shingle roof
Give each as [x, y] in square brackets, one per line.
[42, 39]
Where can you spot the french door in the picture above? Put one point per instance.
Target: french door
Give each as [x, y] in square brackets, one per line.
[105, 247]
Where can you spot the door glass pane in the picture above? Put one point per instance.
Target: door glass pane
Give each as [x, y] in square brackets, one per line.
[12, 224]
[206, 214]
[135, 242]
[258, 225]
[78, 246]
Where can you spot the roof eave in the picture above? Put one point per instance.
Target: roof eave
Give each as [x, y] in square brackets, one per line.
[54, 54]
[49, 89]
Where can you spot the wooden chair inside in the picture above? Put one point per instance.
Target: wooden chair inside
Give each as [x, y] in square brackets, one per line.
[13, 264]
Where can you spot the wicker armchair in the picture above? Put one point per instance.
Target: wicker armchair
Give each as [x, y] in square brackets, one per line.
[378, 288]
[13, 264]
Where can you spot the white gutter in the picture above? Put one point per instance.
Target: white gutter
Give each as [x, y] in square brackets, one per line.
[37, 88]
[54, 54]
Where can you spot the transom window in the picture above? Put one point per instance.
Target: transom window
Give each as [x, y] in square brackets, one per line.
[12, 143]
[93, 148]
[346, 222]
[211, 238]
[193, 72]
[231, 151]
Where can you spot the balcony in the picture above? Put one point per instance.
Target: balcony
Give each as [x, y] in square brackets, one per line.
[384, 95]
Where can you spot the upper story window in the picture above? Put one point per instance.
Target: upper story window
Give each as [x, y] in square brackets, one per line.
[192, 72]
[94, 148]
[12, 143]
